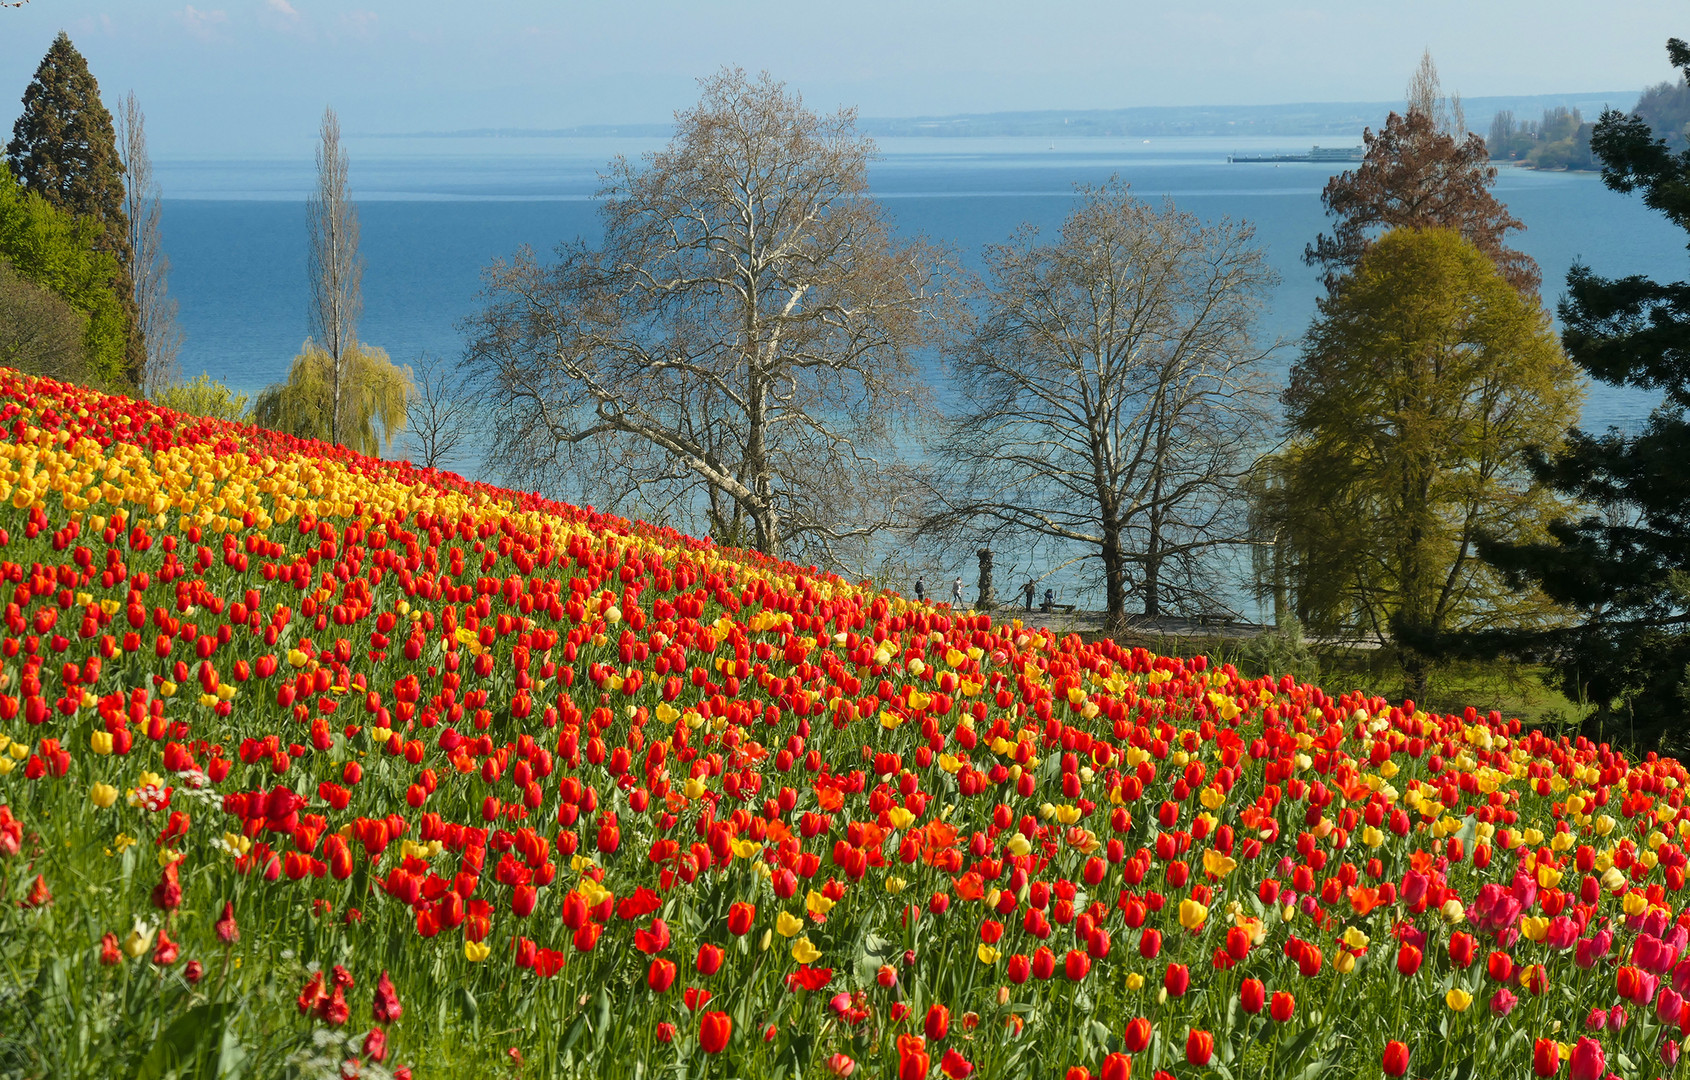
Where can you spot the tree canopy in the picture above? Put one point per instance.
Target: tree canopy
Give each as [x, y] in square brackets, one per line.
[1424, 384]
[1621, 564]
[58, 252]
[64, 147]
[1415, 175]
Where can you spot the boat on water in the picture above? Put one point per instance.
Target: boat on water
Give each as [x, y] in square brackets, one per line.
[1318, 153]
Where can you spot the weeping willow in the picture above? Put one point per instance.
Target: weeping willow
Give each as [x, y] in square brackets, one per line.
[373, 393]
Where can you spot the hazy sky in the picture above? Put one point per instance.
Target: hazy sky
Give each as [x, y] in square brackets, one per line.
[243, 76]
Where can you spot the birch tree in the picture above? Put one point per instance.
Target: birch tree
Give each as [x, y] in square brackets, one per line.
[335, 268]
[741, 343]
[1110, 396]
[149, 268]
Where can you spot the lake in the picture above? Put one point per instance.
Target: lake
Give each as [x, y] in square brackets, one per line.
[435, 212]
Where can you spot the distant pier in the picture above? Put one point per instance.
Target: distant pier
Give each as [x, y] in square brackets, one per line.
[1318, 153]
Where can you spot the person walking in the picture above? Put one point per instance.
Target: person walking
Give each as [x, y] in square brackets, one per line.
[920, 593]
[956, 593]
[1028, 590]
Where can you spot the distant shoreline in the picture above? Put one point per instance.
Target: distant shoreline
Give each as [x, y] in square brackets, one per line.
[1290, 120]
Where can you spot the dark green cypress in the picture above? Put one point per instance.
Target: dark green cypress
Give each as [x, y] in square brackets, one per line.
[65, 148]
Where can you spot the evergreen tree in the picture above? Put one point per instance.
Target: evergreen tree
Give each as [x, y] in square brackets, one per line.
[64, 148]
[1623, 565]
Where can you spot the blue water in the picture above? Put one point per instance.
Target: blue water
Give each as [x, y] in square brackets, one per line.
[436, 212]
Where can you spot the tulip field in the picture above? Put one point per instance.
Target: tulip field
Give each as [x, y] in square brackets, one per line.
[316, 765]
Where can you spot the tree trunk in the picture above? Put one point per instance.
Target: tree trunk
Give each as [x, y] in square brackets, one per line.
[986, 601]
[1114, 573]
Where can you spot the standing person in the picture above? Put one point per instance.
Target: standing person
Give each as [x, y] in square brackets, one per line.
[920, 593]
[956, 592]
[1027, 590]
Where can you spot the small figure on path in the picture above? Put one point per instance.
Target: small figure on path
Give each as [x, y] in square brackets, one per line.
[956, 593]
[920, 593]
[1050, 602]
[1028, 590]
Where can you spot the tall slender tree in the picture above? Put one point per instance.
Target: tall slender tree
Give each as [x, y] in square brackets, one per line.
[155, 310]
[336, 270]
[64, 146]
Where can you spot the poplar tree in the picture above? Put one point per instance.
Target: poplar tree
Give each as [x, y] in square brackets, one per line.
[64, 147]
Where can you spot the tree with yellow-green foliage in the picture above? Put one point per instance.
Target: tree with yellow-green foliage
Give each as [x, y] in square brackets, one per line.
[204, 396]
[1426, 383]
[373, 395]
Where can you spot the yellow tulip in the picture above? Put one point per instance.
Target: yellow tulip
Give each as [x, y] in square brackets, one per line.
[804, 952]
[139, 940]
[788, 924]
[1192, 915]
[102, 795]
[476, 951]
[817, 904]
[986, 953]
[1135, 981]
[1458, 999]
[1217, 865]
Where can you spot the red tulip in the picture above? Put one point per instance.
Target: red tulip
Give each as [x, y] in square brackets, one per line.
[1018, 969]
[1588, 1061]
[740, 917]
[1463, 948]
[1116, 1067]
[1408, 960]
[1137, 1035]
[714, 1030]
[938, 1022]
[1282, 1007]
[1252, 995]
[1546, 1057]
[1395, 1059]
[1176, 980]
[661, 975]
[709, 959]
[1199, 1047]
[1076, 965]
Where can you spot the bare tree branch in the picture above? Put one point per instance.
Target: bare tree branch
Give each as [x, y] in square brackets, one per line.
[1114, 394]
[740, 347]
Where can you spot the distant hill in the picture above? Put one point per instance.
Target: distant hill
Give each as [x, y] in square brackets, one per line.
[1300, 120]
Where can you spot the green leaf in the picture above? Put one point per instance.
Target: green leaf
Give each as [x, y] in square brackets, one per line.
[872, 951]
[188, 1044]
[573, 1035]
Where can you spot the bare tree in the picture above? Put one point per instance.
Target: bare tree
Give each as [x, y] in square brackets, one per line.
[740, 345]
[1112, 397]
[1425, 94]
[440, 415]
[149, 270]
[336, 269]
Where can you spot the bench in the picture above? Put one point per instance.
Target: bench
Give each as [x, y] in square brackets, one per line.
[1066, 609]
